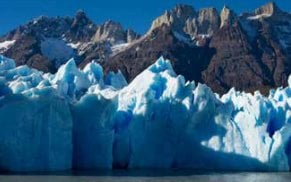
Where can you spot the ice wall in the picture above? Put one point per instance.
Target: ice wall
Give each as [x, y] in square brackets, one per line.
[82, 119]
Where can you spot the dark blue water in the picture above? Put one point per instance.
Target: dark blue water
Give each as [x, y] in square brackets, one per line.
[146, 176]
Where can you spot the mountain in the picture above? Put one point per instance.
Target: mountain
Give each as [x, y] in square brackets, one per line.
[251, 51]
[47, 43]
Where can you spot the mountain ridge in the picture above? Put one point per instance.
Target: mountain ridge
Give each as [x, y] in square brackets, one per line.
[222, 49]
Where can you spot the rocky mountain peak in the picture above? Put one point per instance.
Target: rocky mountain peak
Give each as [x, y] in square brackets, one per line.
[112, 24]
[176, 18]
[110, 31]
[82, 28]
[183, 11]
[185, 22]
[131, 35]
[268, 9]
[208, 13]
[81, 19]
[81, 14]
[208, 21]
[227, 16]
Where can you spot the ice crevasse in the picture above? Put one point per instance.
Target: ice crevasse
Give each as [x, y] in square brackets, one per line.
[83, 119]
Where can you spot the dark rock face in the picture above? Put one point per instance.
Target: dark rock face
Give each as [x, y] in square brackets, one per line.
[82, 28]
[249, 52]
[208, 21]
[27, 51]
[234, 64]
[186, 59]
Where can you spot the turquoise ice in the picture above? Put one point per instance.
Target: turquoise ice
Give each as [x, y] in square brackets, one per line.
[85, 120]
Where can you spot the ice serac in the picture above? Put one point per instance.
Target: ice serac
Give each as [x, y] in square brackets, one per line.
[116, 80]
[94, 73]
[183, 127]
[93, 133]
[70, 80]
[83, 119]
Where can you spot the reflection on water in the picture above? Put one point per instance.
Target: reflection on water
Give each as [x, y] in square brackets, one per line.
[145, 176]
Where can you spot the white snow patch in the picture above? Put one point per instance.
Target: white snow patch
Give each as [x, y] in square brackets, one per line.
[199, 38]
[4, 46]
[57, 50]
[74, 45]
[182, 38]
[204, 36]
[259, 16]
[119, 47]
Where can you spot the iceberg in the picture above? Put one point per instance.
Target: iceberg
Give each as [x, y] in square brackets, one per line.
[84, 119]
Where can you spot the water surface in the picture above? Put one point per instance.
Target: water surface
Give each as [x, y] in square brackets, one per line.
[157, 176]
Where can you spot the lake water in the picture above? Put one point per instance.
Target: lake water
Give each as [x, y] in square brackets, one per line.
[156, 176]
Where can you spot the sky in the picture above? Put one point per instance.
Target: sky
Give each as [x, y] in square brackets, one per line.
[135, 14]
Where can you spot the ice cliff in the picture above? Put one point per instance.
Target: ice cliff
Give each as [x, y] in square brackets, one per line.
[82, 119]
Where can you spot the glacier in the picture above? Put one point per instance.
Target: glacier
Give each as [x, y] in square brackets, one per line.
[85, 119]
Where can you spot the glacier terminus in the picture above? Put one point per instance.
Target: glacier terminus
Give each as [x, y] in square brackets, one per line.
[84, 119]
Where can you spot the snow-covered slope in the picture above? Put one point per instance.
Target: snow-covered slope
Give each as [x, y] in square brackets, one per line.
[79, 119]
[56, 50]
[6, 45]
